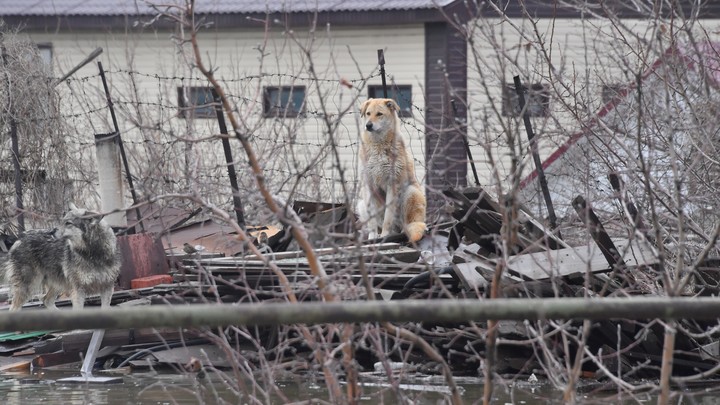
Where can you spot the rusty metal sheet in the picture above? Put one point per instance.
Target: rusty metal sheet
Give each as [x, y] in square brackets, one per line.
[142, 255]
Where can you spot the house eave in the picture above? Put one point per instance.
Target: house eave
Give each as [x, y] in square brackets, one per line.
[78, 23]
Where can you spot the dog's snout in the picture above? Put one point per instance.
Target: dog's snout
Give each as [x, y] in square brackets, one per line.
[369, 126]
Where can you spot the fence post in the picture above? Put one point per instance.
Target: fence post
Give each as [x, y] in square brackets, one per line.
[120, 144]
[465, 142]
[536, 155]
[237, 201]
[381, 62]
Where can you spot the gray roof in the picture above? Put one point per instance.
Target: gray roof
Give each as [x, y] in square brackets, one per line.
[143, 7]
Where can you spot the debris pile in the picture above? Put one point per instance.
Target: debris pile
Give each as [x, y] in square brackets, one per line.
[457, 259]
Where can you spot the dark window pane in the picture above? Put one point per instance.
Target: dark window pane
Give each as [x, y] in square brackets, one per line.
[402, 94]
[284, 101]
[612, 91]
[199, 102]
[537, 98]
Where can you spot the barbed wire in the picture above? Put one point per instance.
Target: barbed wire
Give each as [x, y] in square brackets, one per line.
[122, 102]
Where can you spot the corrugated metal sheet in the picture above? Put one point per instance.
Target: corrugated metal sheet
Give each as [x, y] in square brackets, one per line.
[138, 7]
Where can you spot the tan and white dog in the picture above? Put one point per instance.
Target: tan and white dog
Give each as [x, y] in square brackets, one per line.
[391, 199]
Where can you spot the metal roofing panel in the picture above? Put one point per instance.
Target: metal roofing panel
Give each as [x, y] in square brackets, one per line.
[140, 7]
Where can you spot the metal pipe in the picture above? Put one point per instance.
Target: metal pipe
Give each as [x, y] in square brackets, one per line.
[275, 313]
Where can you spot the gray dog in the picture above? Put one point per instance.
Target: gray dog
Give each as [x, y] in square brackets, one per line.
[80, 258]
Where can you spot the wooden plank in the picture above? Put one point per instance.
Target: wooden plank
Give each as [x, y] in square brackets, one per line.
[56, 359]
[392, 260]
[208, 354]
[17, 366]
[469, 276]
[578, 260]
[298, 254]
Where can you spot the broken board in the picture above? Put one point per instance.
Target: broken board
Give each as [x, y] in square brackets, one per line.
[579, 260]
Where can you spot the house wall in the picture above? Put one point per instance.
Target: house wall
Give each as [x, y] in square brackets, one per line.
[144, 70]
[574, 57]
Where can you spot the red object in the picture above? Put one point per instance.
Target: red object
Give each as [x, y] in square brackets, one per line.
[151, 281]
[142, 256]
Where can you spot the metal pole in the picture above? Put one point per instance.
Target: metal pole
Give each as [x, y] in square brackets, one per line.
[94, 54]
[282, 313]
[536, 155]
[237, 201]
[381, 62]
[128, 176]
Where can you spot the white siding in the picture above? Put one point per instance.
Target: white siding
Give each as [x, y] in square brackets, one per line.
[575, 57]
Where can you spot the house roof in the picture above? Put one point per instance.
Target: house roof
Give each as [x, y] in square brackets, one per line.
[54, 15]
[141, 7]
[104, 15]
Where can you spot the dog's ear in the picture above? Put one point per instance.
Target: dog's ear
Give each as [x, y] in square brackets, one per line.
[364, 106]
[392, 105]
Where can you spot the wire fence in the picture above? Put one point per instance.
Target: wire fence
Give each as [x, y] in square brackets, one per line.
[170, 150]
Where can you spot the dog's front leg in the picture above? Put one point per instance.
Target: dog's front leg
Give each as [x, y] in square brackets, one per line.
[78, 299]
[390, 209]
[106, 298]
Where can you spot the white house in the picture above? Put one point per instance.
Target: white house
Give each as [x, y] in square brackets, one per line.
[296, 72]
[448, 63]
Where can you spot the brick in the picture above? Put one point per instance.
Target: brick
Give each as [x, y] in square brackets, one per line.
[150, 281]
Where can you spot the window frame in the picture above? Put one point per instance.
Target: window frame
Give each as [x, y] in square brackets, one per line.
[194, 110]
[376, 91]
[271, 111]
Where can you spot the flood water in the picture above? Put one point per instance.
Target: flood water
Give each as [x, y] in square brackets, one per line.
[165, 388]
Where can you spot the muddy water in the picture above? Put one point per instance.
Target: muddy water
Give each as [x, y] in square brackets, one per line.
[153, 388]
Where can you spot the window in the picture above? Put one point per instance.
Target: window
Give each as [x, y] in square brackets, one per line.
[284, 101]
[537, 99]
[196, 102]
[401, 94]
[46, 53]
[611, 91]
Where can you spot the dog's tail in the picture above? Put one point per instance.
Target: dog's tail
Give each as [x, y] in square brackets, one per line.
[415, 231]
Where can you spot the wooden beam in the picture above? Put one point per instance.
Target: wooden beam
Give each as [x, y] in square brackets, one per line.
[598, 233]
